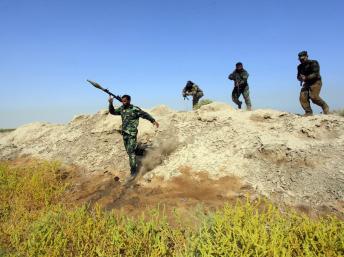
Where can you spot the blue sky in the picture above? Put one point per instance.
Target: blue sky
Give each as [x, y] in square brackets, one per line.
[150, 48]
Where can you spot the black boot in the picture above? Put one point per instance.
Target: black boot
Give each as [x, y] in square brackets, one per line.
[133, 172]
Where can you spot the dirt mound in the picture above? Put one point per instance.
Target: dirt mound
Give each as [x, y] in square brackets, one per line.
[293, 159]
[181, 194]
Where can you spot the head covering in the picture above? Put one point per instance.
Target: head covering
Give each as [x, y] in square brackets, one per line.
[303, 53]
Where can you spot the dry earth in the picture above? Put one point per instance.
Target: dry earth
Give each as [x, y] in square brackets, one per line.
[290, 159]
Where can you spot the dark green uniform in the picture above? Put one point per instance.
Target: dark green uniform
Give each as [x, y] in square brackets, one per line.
[193, 90]
[130, 121]
[240, 87]
[311, 86]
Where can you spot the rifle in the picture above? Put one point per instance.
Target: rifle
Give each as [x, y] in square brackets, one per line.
[95, 84]
[237, 85]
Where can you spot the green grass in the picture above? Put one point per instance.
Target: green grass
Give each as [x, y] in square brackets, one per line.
[5, 130]
[35, 222]
[202, 102]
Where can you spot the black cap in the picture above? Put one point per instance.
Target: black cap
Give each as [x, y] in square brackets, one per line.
[303, 53]
[238, 64]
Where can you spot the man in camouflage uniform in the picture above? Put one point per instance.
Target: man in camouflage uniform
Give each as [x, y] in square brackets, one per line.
[130, 115]
[308, 73]
[240, 76]
[193, 90]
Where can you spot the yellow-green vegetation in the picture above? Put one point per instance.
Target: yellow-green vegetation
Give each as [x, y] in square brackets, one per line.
[2, 130]
[35, 222]
[202, 102]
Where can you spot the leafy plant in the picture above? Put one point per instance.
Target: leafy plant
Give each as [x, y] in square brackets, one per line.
[34, 221]
[6, 130]
[202, 102]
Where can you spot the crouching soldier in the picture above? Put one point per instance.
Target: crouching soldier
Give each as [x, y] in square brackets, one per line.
[191, 89]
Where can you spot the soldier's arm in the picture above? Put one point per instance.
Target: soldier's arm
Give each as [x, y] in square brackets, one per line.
[243, 78]
[184, 92]
[144, 115]
[315, 71]
[114, 111]
[245, 75]
[298, 76]
[231, 76]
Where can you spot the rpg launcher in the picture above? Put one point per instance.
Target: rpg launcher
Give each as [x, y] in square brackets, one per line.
[95, 84]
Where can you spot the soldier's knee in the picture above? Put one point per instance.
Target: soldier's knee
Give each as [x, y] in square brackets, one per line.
[315, 99]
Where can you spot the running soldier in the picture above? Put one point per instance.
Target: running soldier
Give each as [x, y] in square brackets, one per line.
[191, 89]
[240, 76]
[308, 73]
[130, 115]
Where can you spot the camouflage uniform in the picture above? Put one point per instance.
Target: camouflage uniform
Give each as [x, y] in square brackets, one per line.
[311, 86]
[240, 87]
[130, 121]
[193, 90]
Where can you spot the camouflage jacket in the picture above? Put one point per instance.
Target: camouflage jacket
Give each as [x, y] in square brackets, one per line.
[240, 78]
[194, 90]
[311, 70]
[130, 118]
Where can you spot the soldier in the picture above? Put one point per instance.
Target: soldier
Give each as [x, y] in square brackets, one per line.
[240, 76]
[308, 73]
[193, 90]
[130, 115]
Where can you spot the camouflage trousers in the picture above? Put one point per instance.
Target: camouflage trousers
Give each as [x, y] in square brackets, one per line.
[311, 92]
[244, 90]
[130, 144]
[195, 99]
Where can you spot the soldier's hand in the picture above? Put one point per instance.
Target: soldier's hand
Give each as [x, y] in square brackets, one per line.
[156, 124]
[110, 99]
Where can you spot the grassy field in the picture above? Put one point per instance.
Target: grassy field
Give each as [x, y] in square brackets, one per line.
[34, 221]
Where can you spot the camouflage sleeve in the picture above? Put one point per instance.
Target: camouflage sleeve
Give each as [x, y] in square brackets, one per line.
[184, 92]
[231, 76]
[144, 115]
[114, 111]
[245, 75]
[315, 71]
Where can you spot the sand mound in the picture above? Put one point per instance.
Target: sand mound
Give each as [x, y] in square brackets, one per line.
[216, 107]
[161, 110]
[298, 160]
